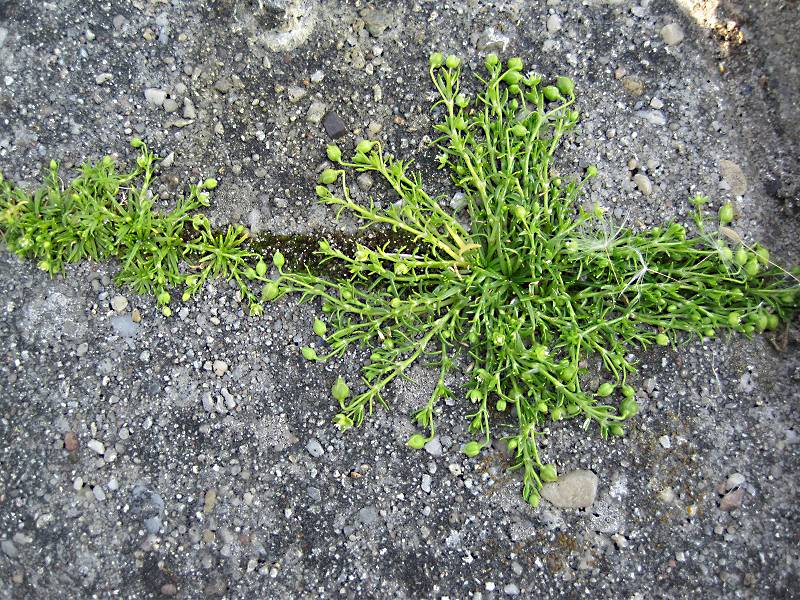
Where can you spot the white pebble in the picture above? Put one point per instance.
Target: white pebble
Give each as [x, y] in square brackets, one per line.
[97, 446]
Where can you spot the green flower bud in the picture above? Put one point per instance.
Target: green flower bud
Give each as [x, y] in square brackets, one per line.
[557, 413]
[472, 449]
[452, 61]
[761, 321]
[551, 93]
[616, 430]
[591, 171]
[534, 499]
[416, 441]
[270, 290]
[515, 63]
[491, 60]
[186, 295]
[725, 254]
[662, 339]
[573, 409]
[628, 391]
[340, 391]
[309, 353]
[164, 297]
[364, 146]
[520, 212]
[772, 322]
[334, 152]
[256, 310]
[501, 404]
[751, 267]
[541, 406]
[319, 327]
[461, 101]
[261, 267]
[605, 389]
[709, 332]
[166, 311]
[210, 183]
[513, 89]
[628, 408]
[250, 273]
[328, 176]
[740, 258]
[548, 473]
[137, 142]
[278, 260]
[762, 254]
[566, 86]
[519, 130]
[512, 77]
[725, 213]
[435, 60]
[734, 319]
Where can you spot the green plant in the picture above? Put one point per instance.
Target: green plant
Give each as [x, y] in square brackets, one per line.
[103, 213]
[525, 282]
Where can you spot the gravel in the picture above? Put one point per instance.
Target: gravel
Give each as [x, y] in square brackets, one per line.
[666, 95]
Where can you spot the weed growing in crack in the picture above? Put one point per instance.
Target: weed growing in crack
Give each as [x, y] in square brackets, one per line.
[532, 286]
[527, 284]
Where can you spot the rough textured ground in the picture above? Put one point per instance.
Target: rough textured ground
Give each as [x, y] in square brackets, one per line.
[134, 466]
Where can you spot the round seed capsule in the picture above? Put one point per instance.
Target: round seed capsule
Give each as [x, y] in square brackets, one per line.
[364, 146]
[278, 260]
[616, 430]
[605, 389]
[340, 391]
[334, 152]
[551, 93]
[452, 61]
[515, 63]
[435, 60]
[566, 86]
[751, 268]
[548, 473]
[662, 339]
[319, 327]
[772, 322]
[726, 254]
[501, 404]
[472, 449]
[491, 60]
[210, 183]
[740, 258]
[628, 408]
[328, 176]
[309, 353]
[734, 319]
[261, 267]
[270, 290]
[726, 213]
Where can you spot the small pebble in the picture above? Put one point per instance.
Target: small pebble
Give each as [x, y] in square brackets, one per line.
[119, 303]
[643, 183]
[70, 441]
[97, 446]
[314, 448]
[553, 23]
[220, 367]
[665, 442]
[155, 96]
[672, 34]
